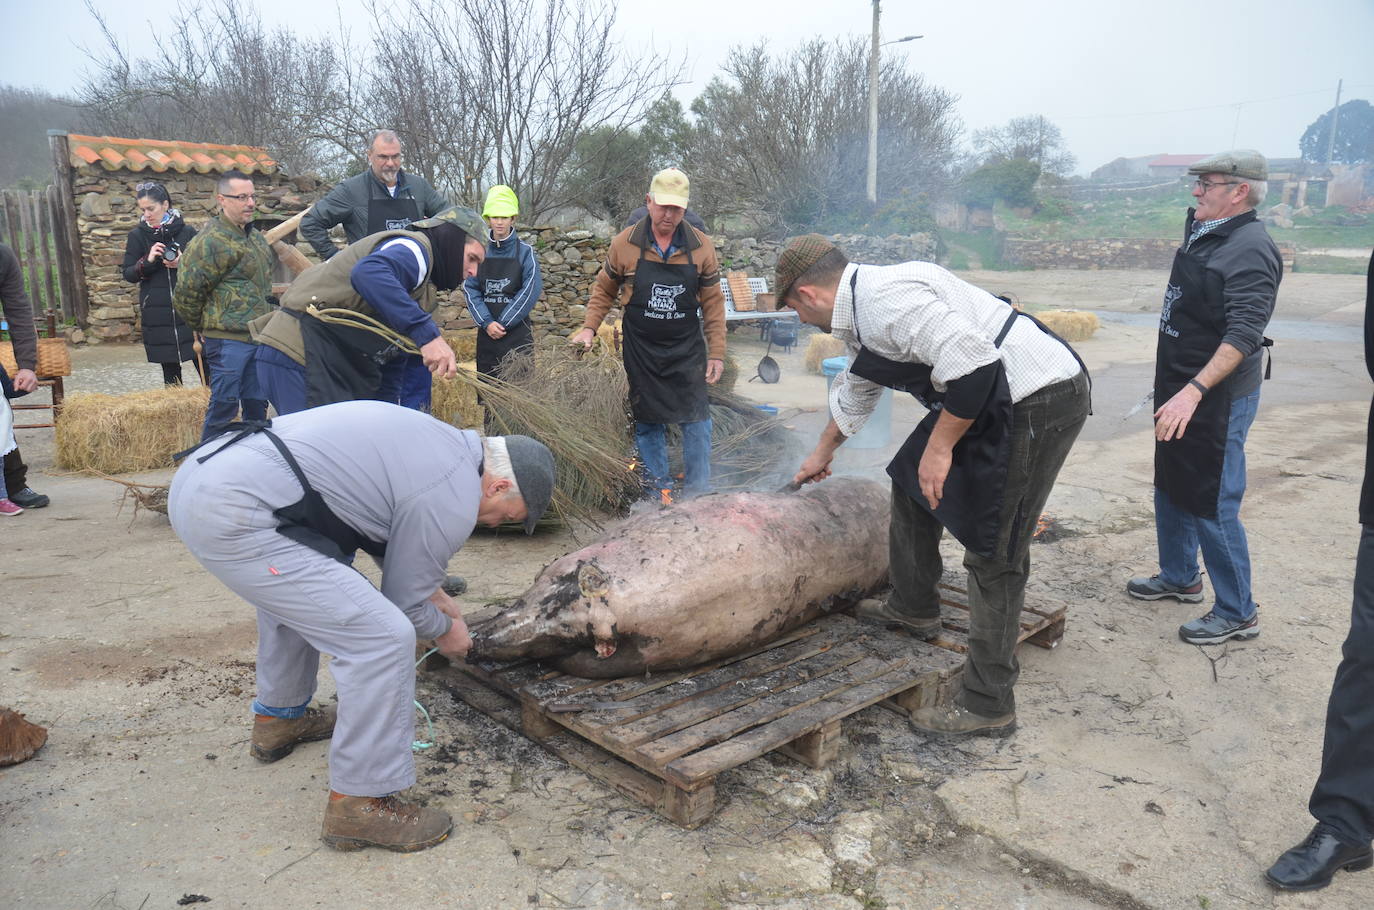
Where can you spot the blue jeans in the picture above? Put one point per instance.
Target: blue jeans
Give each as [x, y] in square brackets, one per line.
[281, 380]
[1225, 551]
[233, 382]
[652, 441]
[406, 381]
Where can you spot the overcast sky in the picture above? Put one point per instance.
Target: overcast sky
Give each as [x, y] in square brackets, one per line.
[1118, 78]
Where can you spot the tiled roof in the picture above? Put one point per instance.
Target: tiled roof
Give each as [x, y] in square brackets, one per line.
[1175, 160]
[116, 154]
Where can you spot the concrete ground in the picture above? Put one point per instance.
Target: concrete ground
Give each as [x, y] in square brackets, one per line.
[1146, 772]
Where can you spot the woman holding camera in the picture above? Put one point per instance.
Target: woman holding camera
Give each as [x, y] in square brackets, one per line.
[151, 257]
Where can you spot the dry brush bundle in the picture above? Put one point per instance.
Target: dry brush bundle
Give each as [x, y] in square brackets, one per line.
[137, 431]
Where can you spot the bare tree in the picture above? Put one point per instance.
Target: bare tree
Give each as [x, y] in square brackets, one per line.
[535, 77]
[782, 141]
[1031, 138]
[221, 76]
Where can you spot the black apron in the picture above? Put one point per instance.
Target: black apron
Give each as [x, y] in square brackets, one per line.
[500, 279]
[309, 520]
[977, 479]
[391, 213]
[665, 351]
[1191, 326]
[342, 362]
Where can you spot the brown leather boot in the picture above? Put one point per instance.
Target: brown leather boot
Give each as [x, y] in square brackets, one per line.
[355, 822]
[275, 737]
[923, 627]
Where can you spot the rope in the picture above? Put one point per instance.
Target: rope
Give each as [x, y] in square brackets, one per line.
[354, 319]
[419, 746]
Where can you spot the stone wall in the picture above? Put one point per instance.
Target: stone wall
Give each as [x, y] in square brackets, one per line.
[569, 261]
[1105, 253]
[106, 211]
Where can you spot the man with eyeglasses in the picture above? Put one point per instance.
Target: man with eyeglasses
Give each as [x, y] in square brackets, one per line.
[1218, 301]
[382, 198]
[225, 280]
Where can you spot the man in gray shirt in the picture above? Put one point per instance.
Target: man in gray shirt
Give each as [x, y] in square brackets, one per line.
[277, 513]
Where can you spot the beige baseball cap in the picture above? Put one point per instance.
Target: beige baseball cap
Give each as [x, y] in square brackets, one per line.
[670, 187]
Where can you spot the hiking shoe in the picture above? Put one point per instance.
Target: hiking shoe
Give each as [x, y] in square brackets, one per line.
[955, 720]
[1156, 588]
[924, 628]
[29, 498]
[9, 507]
[275, 737]
[1212, 629]
[355, 822]
[454, 585]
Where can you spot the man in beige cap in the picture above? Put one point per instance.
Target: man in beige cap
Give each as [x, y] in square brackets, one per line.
[1006, 400]
[1218, 301]
[665, 275]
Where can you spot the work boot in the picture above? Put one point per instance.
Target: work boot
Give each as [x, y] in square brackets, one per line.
[1211, 629]
[454, 585]
[275, 737]
[1155, 588]
[29, 498]
[355, 822]
[924, 628]
[955, 720]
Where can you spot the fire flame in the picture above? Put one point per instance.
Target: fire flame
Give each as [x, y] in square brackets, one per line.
[665, 497]
[1043, 524]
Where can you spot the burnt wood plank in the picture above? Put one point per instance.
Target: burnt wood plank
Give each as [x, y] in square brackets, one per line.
[817, 748]
[660, 752]
[744, 691]
[654, 702]
[764, 738]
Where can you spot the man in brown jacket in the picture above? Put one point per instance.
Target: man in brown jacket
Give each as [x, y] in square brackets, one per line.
[667, 278]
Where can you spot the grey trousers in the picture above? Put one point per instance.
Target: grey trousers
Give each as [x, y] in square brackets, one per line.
[306, 603]
[1045, 425]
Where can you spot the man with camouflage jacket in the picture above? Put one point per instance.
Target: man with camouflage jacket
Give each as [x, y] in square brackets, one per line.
[226, 277]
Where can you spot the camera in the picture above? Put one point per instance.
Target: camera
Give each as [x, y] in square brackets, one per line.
[171, 249]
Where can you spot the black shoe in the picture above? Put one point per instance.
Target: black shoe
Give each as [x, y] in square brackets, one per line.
[454, 585]
[1310, 865]
[29, 499]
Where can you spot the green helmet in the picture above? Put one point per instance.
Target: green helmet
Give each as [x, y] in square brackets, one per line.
[465, 218]
[501, 203]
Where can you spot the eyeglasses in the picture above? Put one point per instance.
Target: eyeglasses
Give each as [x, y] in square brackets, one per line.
[1206, 185]
[150, 185]
[241, 197]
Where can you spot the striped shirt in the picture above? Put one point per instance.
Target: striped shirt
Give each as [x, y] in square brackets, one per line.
[917, 312]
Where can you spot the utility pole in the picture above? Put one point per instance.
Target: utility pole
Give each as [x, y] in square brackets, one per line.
[1335, 116]
[873, 112]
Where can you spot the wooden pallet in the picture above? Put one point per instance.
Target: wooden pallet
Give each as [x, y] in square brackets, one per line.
[661, 740]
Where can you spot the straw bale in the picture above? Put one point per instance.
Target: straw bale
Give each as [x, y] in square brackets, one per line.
[1071, 325]
[819, 348]
[464, 344]
[137, 431]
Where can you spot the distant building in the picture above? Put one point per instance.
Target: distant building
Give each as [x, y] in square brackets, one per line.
[1125, 168]
[1172, 165]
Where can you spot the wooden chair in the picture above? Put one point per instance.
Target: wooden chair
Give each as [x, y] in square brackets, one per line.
[54, 363]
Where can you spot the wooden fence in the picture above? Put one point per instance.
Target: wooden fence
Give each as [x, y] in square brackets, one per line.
[27, 220]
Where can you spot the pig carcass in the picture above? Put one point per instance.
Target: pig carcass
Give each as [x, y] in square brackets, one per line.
[701, 580]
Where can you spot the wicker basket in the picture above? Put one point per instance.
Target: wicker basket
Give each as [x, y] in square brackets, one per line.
[53, 358]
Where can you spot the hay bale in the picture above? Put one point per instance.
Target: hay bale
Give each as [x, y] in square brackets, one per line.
[464, 344]
[1071, 325]
[820, 348]
[455, 401]
[138, 431]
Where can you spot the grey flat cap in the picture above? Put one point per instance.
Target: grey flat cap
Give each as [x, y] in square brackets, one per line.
[466, 219]
[534, 474]
[1246, 164]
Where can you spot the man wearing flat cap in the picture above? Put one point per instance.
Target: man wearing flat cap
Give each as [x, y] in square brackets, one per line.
[667, 278]
[1218, 301]
[293, 500]
[318, 348]
[1006, 399]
